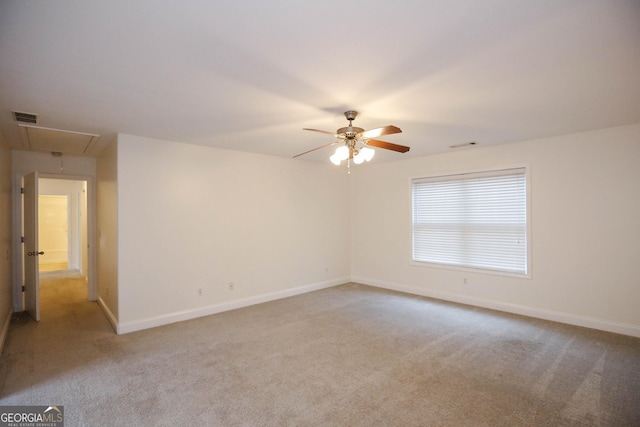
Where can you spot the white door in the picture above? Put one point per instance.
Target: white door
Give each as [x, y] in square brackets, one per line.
[30, 247]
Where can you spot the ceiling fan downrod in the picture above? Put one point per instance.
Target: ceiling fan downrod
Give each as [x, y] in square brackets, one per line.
[351, 116]
[350, 132]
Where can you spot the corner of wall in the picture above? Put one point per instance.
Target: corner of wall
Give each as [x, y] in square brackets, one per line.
[6, 292]
[107, 230]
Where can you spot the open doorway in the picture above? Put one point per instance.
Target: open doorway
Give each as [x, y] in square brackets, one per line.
[62, 225]
[53, 226]
[58, 216]
[62, 236]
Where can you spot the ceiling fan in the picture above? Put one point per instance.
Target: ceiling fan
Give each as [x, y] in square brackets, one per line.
[355, 142]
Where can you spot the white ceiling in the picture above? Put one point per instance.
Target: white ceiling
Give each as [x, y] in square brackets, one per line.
[249, 75]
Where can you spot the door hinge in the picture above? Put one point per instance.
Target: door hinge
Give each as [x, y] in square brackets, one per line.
[21, 190]
[22, 239]
[23, 289]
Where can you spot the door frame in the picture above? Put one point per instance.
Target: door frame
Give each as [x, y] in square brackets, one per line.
[31, 288]
[75, 221]
[18, 220]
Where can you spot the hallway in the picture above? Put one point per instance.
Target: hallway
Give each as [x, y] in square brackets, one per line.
[33, 354]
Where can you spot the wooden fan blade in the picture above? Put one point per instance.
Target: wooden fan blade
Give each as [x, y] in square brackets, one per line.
[323, 131]
[384, 130]
[314, 149]
[388, 146]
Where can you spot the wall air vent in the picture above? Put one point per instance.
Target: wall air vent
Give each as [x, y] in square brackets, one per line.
[25, 117]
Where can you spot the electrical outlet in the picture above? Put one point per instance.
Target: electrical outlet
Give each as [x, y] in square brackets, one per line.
[232, 286]
[199, 292]
[464, 281]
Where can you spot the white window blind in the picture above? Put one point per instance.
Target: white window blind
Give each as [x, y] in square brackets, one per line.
[474, 220]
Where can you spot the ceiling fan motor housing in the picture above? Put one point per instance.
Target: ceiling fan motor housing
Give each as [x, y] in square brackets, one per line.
[349, 131]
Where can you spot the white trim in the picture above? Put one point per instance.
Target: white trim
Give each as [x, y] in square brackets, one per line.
[539, 313]
[22, 125]
[452, 173]
[468, 269]
[16, 244]
[5, 330]
[472, 171]
[179, 316]
[107, 312]
[17, 265]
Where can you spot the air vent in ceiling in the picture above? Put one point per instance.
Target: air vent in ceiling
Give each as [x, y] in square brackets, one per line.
[464, 144]
[25, 117]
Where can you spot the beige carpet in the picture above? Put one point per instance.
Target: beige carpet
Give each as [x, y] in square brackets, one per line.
[44, 267]
[346, 356]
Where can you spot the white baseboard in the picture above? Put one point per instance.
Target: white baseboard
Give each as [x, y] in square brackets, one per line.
[152, 322]
[540, 313]
[5, 330]
[112, 319]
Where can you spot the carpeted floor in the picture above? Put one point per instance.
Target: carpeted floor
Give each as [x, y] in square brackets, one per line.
[45, 267]
[351, 355]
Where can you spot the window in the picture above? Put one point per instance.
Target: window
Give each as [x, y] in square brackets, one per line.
[475, 220]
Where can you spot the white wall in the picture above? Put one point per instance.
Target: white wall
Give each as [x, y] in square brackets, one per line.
[585, 230]
[192, 217]
[53, 229]
[5, 240]
[29, 161]
[107, 224]
[74, 190]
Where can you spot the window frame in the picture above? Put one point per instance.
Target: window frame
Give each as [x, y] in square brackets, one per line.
[460, 173]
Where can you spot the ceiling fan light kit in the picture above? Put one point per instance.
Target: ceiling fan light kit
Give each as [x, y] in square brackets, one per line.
[356, 143]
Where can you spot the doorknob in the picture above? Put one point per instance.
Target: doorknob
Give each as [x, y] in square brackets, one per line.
[35, 253]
